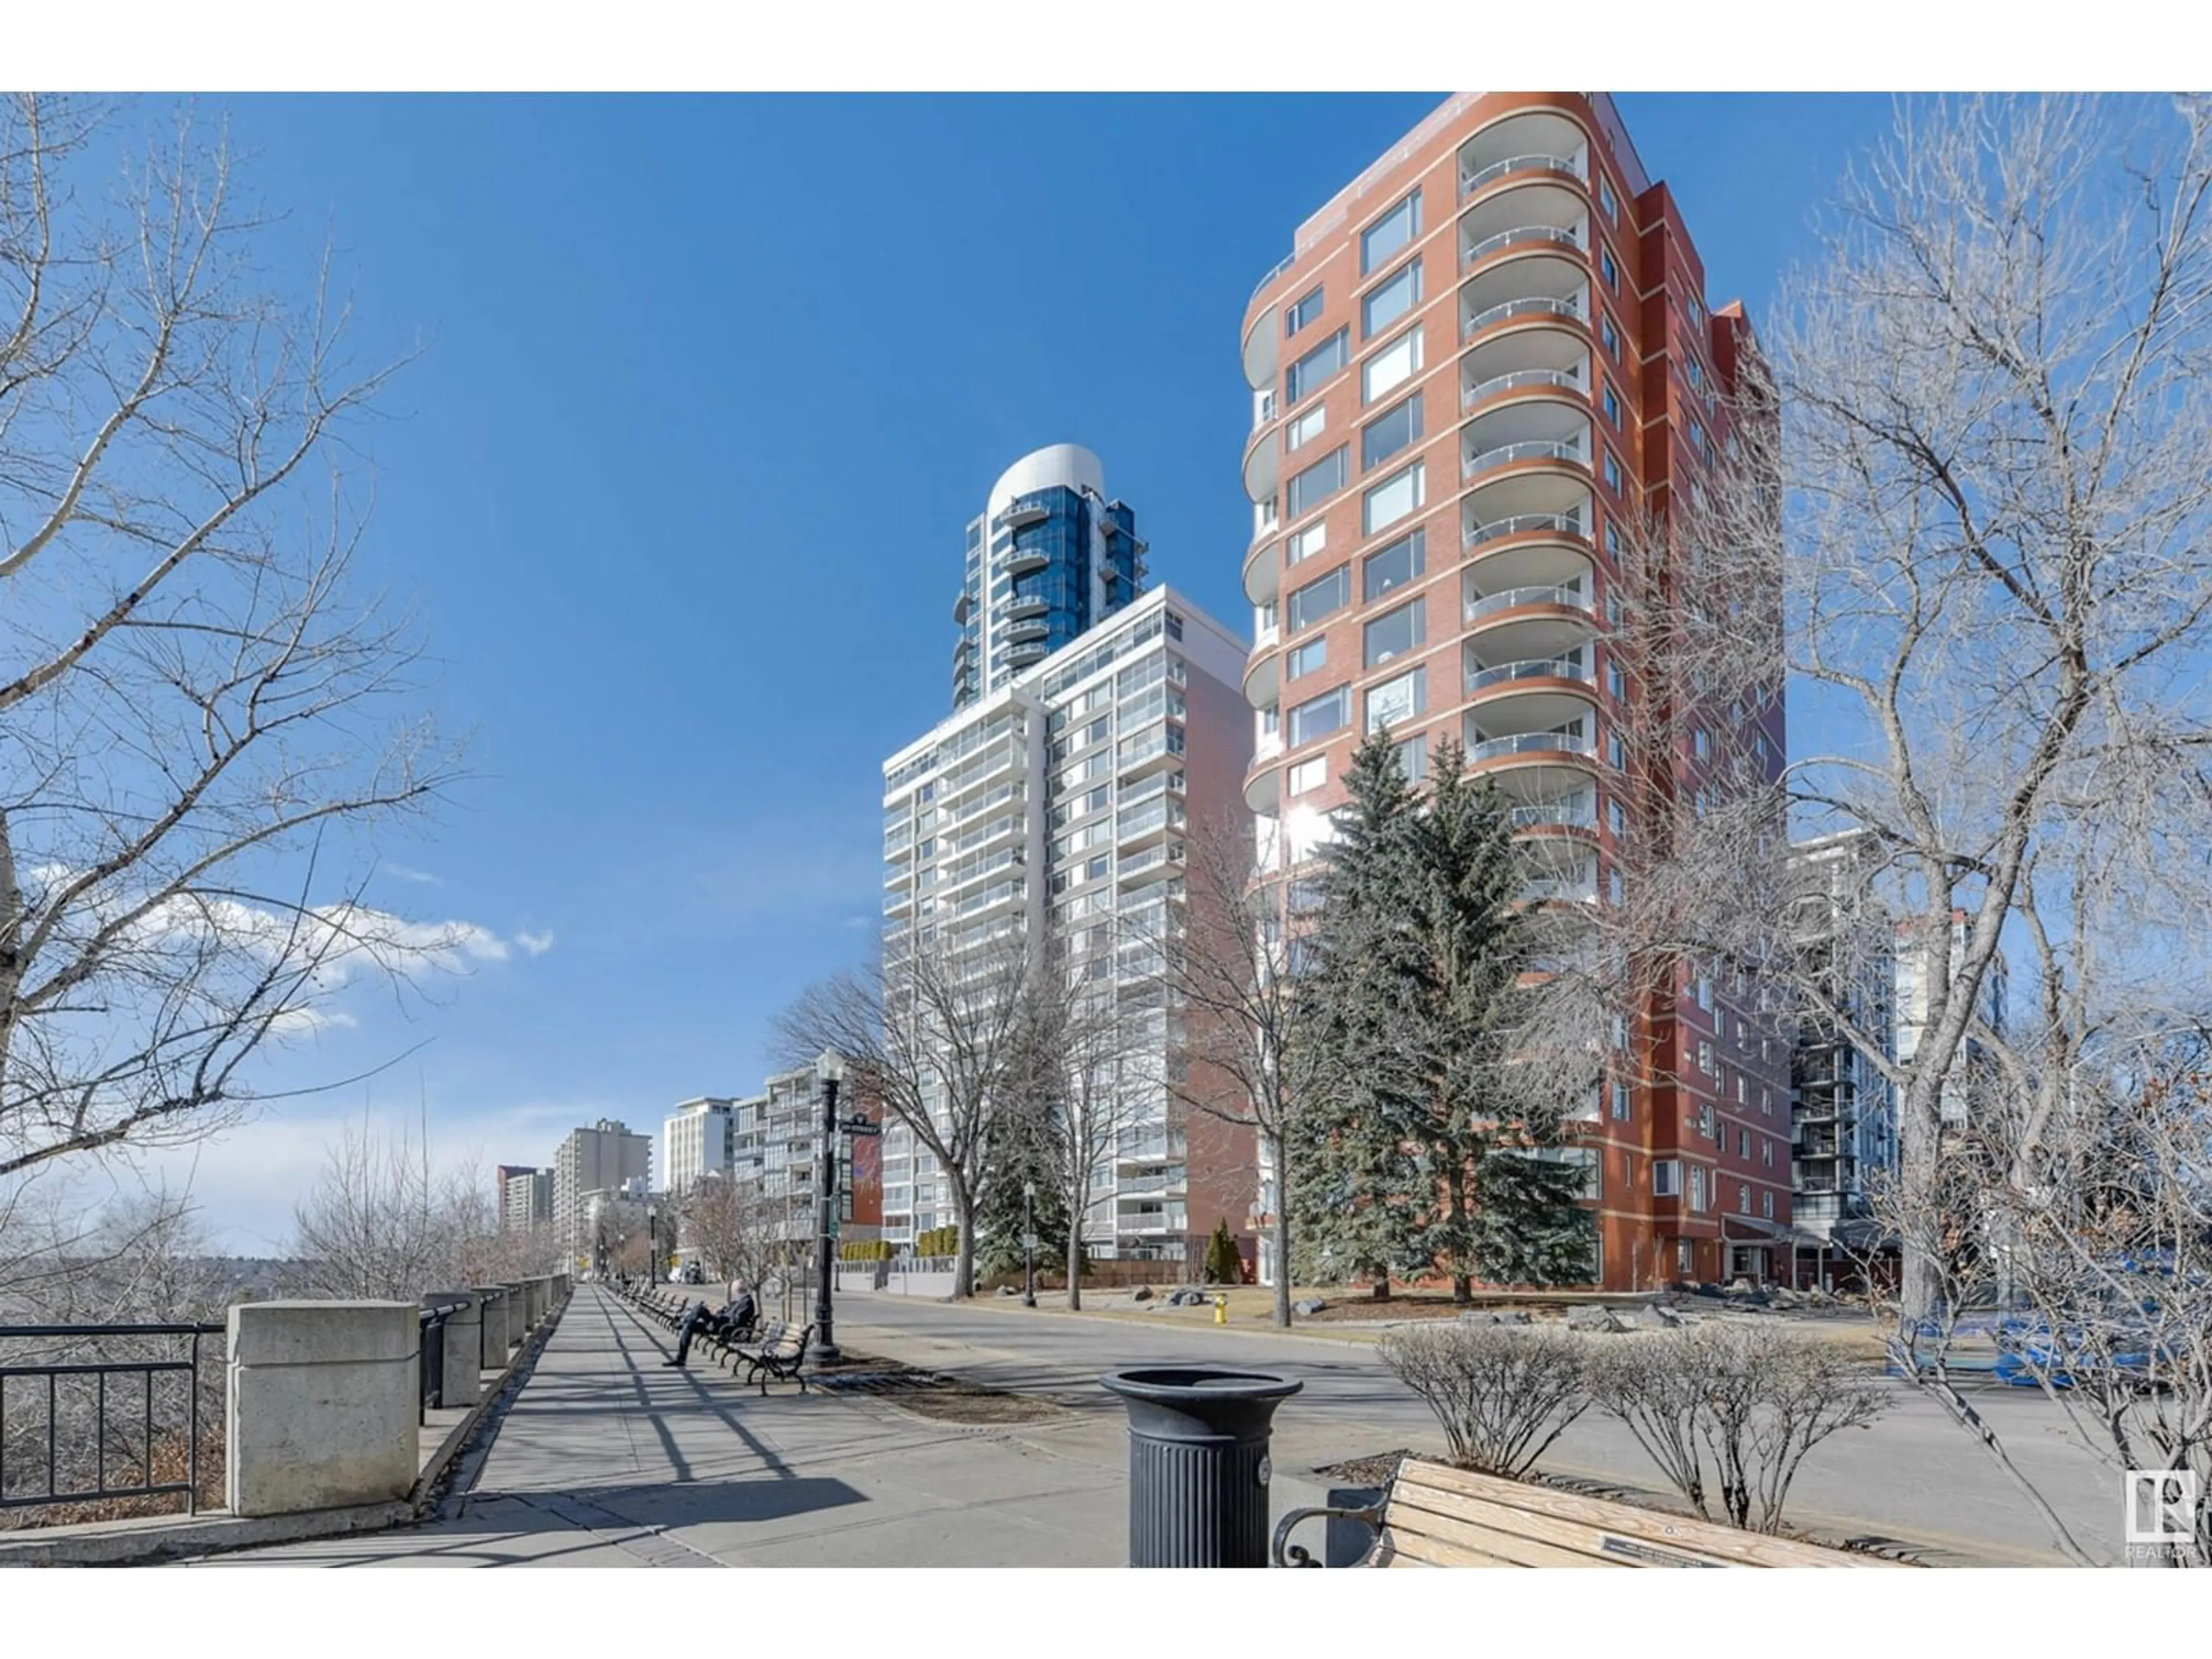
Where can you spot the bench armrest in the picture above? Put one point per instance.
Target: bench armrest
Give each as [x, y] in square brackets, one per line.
[1288, 1554]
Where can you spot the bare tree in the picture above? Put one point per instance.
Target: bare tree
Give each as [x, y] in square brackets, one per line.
[195, 708]
[939, 1031]
[734, 1229]
[1099, 1073]
[381, 1223]
[1248, 1058]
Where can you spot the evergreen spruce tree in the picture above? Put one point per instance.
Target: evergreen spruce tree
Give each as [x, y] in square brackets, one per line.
[1225, 1264]
[1361, 1190]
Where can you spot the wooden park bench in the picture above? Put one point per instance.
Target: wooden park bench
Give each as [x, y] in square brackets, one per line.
[1438, 1516]
[739, 1350]
[780, 1358]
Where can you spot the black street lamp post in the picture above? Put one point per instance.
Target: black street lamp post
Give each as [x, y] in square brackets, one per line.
[652, 1245]
[825, 1183]
[1028, 1246]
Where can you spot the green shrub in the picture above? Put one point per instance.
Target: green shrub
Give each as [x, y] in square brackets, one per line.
[1224, 1265]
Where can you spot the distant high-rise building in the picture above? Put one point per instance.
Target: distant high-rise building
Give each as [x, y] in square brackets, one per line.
[1050, 558]
[696, 1139]
[605, 1157]
[526, 1198]
[1057, 807]
[1481, 363]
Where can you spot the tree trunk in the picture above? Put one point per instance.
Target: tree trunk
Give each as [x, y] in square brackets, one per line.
[963, 1260]
[1382, 1291]
[1456, 1199]
[1282, 1234]
[1919, 1282]
[1075, 1261]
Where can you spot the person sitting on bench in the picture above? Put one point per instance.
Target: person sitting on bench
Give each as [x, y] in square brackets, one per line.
[693, 1317]
[740, 1313]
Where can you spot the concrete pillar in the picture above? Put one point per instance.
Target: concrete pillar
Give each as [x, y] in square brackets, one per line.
[321, 1406]
[494, 1314]
[519, 1321]
[463, 1347]
[537, 1303]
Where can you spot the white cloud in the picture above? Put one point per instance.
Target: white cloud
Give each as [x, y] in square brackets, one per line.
[535, 945]
[408, 872]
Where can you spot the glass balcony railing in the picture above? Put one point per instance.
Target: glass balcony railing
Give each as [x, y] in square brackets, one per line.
[1570, 380]
[1534, 307]
[1471, 182]
[1535, 450]
[1505, 238]
[1513, 598]
[1533, 668]
[1563, 524]
[1554, 815]
[1575, 888]
[1533, 743]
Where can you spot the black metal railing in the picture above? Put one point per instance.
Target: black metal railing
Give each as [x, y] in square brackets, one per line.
[431, 1354]
[65, 1380]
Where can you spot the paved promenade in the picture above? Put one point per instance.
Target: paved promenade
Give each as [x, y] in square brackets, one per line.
[608, 1459]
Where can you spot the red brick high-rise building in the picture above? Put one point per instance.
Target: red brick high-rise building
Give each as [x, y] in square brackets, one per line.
[1482, 361]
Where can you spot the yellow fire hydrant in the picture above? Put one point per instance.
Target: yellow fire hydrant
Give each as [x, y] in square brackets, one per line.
[1221, 1310]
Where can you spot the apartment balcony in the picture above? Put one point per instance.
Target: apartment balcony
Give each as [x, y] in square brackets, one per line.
[1534, 451]
[1140, 1222]
[1267, 745]
[976, 806]
[993, 901]
[1138, 757]
[1266, 627]
[1018, 515]
[1022, 560]
[1525, 624]
[1023, 609]
[1495, 246]
[1263, 463]
[1265, 407]
[1547, 381]
[1263, 572]
[1533, 694]
[1148, 825]
[1263, 786]
[1023, 633]
[1567, 315]
[1026, 656]
[1526, 495]
[1152, 865]
[1473, 183]
[1263, 343]
[1528, 767]
[1263, 677]
[1561, 816]
[1537, 132]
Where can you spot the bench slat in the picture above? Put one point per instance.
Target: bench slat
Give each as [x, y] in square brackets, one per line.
[1515, 1537]
[1580, 1522]
[1415, 1551]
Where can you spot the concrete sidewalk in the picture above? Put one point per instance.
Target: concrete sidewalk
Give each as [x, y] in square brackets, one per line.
[607, 1459]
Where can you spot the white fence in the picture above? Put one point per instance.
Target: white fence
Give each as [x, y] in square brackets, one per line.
[928, 1275]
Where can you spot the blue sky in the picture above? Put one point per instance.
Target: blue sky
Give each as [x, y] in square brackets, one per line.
[709, 389]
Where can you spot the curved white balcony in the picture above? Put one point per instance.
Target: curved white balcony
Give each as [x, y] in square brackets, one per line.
[1569, 380]
[1535, 450]
[1263, 573]
[1263, 677]
[1535, 307]
[1526, 745]
[1018, 515]
[1263, 465]
[1537, 132]
[1532, 694]
[1023, 560]
[1474, 249]
[1263, 341]
[1529, 623]
[1263, 789]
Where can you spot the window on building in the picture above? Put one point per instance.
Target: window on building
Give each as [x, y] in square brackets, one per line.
[1305, 430]
[1766, 1204]
[1615, 757]
[1697, 1186]
[1301, 546]
[1391, 367]
[1393, 231]
[1329, 711]
[1743, 1199]
[1612, 539]
[1393, 633]
[1310, 488]
[1302, 313]
[1609, 337]
[1613, 889]
[1321, 598]
[1743, 1145]
[1391, 567]
[1618, 1025]
[1317, 366]
[1605, 203]
[1396, 701]
[1308, 775]
[1612, 472]
[1766, 1151]
[1305, 659]
[1705, 1057]
[1393, 498]
[1412, 757]
[1620, 1100]
[1391, 299]
[1616, 683]
[1697, 375]
[1607, 269]
[1665, 1178]
[1611, 408]
[1616, 819]
[1704, 989]
[1388, 433]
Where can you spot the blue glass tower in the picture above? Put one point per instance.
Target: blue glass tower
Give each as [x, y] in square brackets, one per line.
[1050, 558]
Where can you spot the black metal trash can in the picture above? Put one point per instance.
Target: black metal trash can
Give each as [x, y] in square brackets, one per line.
[1198, 1463]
